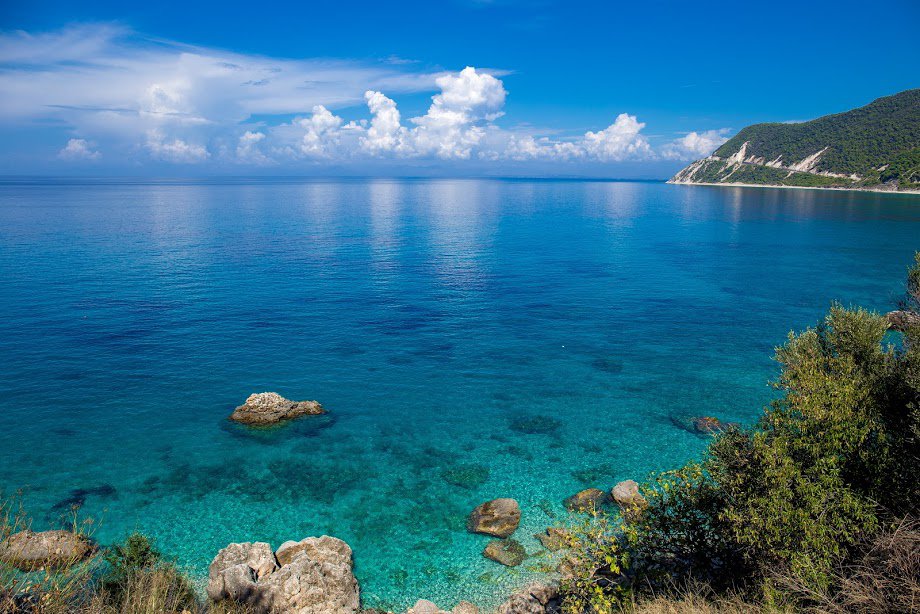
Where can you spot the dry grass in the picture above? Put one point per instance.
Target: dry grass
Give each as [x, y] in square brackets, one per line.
[691, 604]
[885, 577]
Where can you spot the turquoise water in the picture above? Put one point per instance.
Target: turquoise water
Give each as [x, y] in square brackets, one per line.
[471, 339]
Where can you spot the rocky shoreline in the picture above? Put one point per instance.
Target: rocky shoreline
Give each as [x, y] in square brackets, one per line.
[315, 575]
[874, 189]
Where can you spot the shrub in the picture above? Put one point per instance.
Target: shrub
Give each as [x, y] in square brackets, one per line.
[794, 499]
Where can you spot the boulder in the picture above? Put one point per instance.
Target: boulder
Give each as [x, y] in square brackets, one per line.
[28, 550]
[508, 552]
[553, 538]
[587, 500]
[626, 494]
[423, 606]
[499, 518]
[533, 599]
[902, 320]
[267, 408]
[325, 548]
[315, 578]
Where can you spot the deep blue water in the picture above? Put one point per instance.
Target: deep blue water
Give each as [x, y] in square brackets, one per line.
[432, 318]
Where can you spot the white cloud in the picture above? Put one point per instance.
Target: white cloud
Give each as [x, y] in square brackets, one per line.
[386, 133]
[695, 145]
[621, 140]
[321, 132]
[78, 149]
[452, 127]
[248, 151]
[188, 105]
[175, 150]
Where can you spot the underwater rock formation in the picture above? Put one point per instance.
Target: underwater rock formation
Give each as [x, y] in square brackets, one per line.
[508, 552]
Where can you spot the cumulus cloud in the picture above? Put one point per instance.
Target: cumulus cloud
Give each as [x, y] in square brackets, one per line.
[78, 149]
[385, 133]
[248, 151]
[621, 140]
[190, 105]
[175, 150]
[695, 145]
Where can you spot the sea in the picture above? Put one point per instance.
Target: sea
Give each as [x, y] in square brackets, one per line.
[470, 339]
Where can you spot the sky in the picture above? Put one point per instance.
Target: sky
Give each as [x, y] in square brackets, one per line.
[438, 88]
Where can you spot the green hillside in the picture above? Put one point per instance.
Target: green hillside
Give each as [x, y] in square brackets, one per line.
[872, 145]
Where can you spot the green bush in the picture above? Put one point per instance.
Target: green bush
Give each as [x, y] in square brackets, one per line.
[831, 463]
[135, 564]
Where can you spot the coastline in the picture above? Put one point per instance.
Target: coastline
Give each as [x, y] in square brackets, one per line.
[794, 187]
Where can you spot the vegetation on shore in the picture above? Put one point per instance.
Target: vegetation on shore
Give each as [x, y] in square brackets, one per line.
[813, 508]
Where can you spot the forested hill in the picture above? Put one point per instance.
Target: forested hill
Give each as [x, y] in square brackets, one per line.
[875, 146]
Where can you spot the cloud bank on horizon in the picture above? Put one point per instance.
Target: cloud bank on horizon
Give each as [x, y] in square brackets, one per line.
[115, 97]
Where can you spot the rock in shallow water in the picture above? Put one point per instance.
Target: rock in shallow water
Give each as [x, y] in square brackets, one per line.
[587, 500]
[498, 518]
[554, 538]
[534, 599]
[267, 408]
[626, 494]
[28, 551]
[316, 578]
[508, 552]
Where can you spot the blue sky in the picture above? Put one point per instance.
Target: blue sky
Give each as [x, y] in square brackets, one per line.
[569, 88]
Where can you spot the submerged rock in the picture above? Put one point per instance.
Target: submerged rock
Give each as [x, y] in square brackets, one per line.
[508, 552]
[626, 494]
[28, 551]
[535, 425]
[588, 500]
[266, 408]
[533, 599]
[554, 538]
[707, 424]
[499, 518]
[77, 497]
[467, 476]
[315, 578]
[465, 607]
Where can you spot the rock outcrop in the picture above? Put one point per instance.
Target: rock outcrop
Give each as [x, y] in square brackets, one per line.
[586, 500]
[508, 552]
[28, 550]
[423, 606]
[315, 578]
[902, 320]
[267, 408]
[534, 599]
[498, 518]
[626, 494]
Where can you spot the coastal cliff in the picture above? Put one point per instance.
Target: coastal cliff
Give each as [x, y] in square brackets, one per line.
[875, 147]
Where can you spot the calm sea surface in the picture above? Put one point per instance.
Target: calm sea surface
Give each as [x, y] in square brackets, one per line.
[471, 340]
